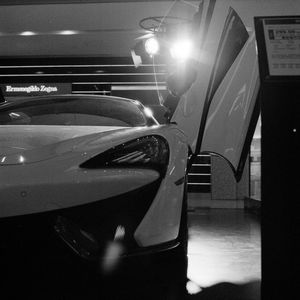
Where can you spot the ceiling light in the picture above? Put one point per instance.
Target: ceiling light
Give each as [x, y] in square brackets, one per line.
[181, 49]
[68, 32]
[152, 46]
[28, 33]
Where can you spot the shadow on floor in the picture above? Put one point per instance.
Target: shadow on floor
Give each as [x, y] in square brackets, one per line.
[229, 291]
[223, 246]
[67, 286]
[220, 291]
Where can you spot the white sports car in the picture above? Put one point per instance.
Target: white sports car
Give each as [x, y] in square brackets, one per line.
[97, 172]
[98, 176]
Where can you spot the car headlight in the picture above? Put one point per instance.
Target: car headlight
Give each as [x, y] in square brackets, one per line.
[151, 152]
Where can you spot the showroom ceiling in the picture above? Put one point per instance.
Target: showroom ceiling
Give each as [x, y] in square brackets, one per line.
[77, 29]
[24, 2]
[79, 42]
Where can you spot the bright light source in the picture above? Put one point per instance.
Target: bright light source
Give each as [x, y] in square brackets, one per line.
[67, 32]
[148, 112]
[181, 49]
[152, 46]
[28, 33]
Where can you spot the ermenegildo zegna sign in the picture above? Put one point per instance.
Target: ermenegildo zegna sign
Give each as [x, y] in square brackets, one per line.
[37, 89]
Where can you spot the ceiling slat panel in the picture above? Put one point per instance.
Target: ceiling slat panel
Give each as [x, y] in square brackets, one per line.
[30, 2]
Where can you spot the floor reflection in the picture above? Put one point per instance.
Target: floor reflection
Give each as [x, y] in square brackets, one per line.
[224, 246]
[224, 260]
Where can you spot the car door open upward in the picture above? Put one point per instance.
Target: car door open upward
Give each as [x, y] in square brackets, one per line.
[221, 105]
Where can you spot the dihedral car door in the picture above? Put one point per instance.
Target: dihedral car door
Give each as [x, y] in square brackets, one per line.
[216, 112]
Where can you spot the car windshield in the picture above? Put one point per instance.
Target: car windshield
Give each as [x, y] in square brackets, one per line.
[78, 111]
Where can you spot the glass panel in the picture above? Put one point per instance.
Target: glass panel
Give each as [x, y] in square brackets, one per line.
[233, 39]
[73, 111]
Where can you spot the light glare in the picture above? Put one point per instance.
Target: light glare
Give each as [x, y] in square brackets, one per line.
[152, 46]
[68, 32]
[148, 112]
[28, 33]
[181, 49]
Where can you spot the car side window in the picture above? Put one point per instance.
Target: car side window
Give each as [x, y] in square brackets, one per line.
[233, 39]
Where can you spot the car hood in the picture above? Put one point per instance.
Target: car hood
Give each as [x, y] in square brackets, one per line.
[38, 142]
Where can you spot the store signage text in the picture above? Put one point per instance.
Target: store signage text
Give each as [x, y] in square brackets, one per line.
[32, 88]
[35, 89]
